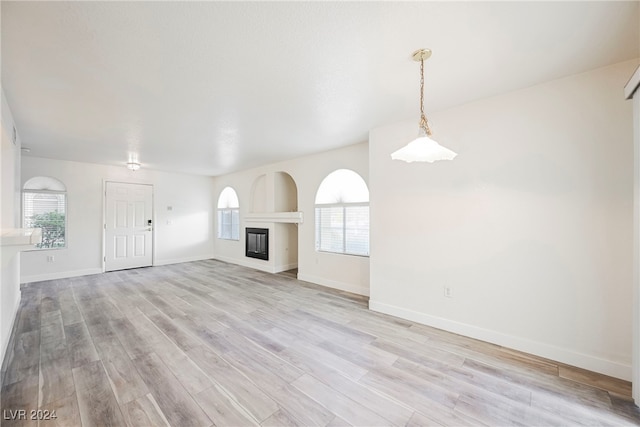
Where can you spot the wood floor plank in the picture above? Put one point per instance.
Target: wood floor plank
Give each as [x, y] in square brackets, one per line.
[599, 381]
[362, 354]
[420, 396]
[50, 318]
[344, 407]
[97, 403]
[273, 378]
[29, 317]
[144, 411]
[312, 358]
[237, 334]
[492, 410]
[135, 343]
[338, 422]
[297, 405]
[286, 329]
[61, 413]
[396, 411]
[26, 357]
[419, 420]
[280, 419]
[125, 380]
[19, 396]
[183, 339]
[545, 384]
[206, 341]
[490, 383]
[223, 410]
[49, 301]
[173, 400]
[258, 359]
[234, 383]
[68, 307]
[192, 378]
[445, 380]
[576, 414]
[80, 344]
[162, 305]
[55, 379]
[422, 353]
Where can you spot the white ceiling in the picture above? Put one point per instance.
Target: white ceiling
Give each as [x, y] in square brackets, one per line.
[215, 87]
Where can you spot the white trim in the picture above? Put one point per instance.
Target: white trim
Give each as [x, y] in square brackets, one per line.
[60, 275]
[285, 267]
[632, 84]
[181, 260]
[636, 245]
[348, 287]
[7, 340]
[564, 355]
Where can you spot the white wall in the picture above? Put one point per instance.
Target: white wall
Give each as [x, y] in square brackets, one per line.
[531, 225]
[184, 233]
[344, 272]
[9, 209]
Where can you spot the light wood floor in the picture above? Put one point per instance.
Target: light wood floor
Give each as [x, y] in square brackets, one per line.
[207, 343]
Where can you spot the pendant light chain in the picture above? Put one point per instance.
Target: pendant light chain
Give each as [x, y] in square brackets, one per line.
[424, 124]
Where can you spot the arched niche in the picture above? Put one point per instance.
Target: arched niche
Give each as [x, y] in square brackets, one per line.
[285, 193]
[259, 195]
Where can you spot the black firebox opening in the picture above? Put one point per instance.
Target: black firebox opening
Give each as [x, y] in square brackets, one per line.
[257, 243]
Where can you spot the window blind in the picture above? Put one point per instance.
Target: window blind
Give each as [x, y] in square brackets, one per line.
[46, 210]
[343, 229]
[229, 224]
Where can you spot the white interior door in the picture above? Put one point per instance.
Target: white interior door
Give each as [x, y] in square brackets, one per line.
[128, 225]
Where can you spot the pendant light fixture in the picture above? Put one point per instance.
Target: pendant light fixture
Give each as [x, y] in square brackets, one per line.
[423, 148]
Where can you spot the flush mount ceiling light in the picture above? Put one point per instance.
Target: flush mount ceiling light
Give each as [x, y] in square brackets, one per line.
[134, 166]
[423, 148]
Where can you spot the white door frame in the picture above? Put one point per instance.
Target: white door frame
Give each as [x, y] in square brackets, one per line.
[104, 220]
[632, 91]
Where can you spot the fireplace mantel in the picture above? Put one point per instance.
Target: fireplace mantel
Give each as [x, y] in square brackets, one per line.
[286, 217]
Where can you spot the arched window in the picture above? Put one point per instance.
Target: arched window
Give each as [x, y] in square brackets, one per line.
[44, 205]
[342, 214]
[228, 215]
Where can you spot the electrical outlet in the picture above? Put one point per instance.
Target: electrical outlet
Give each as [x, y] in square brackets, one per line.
[50, 258]
[448, 292]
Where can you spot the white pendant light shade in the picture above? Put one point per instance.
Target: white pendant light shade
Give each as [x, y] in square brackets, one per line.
[423, 149]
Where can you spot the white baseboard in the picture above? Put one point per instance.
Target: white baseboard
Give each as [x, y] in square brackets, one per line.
[7, 339]
[60, 275]
[559, 354]
[285, 267]
[348, 287]
[181, 260]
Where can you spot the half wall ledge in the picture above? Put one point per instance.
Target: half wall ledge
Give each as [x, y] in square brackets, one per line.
[28, 237]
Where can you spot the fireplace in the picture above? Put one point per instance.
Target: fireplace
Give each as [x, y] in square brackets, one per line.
[257, 243]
